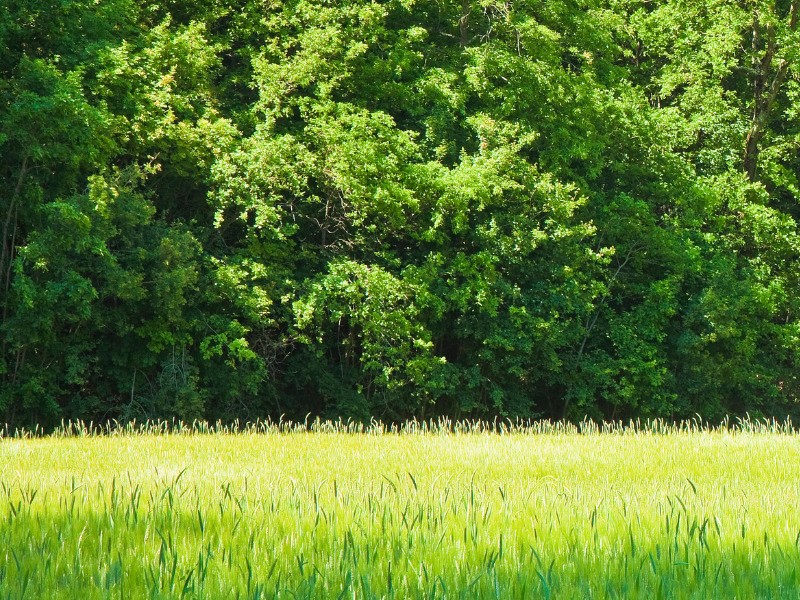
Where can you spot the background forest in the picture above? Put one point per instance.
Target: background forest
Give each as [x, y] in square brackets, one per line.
[407, 208]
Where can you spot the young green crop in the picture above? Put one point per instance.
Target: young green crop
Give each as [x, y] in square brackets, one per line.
[337, 514]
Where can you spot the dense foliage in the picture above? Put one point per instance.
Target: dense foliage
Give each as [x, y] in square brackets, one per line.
[216, 209]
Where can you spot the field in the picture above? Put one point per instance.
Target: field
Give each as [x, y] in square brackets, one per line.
[423, 513]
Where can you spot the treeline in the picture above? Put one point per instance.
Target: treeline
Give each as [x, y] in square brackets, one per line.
[540, 208]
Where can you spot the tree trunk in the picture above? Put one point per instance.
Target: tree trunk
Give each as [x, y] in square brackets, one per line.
[7, 250]
[591, 321]
[767, 82]
[463, 22]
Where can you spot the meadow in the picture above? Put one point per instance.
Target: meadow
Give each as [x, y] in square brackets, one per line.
[343, 511]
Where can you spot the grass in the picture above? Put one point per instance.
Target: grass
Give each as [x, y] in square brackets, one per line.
[446, 511]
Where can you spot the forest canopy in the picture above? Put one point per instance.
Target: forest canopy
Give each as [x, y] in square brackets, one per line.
[399, 208]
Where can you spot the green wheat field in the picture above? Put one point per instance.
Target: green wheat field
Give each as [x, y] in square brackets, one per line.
[440, 511]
